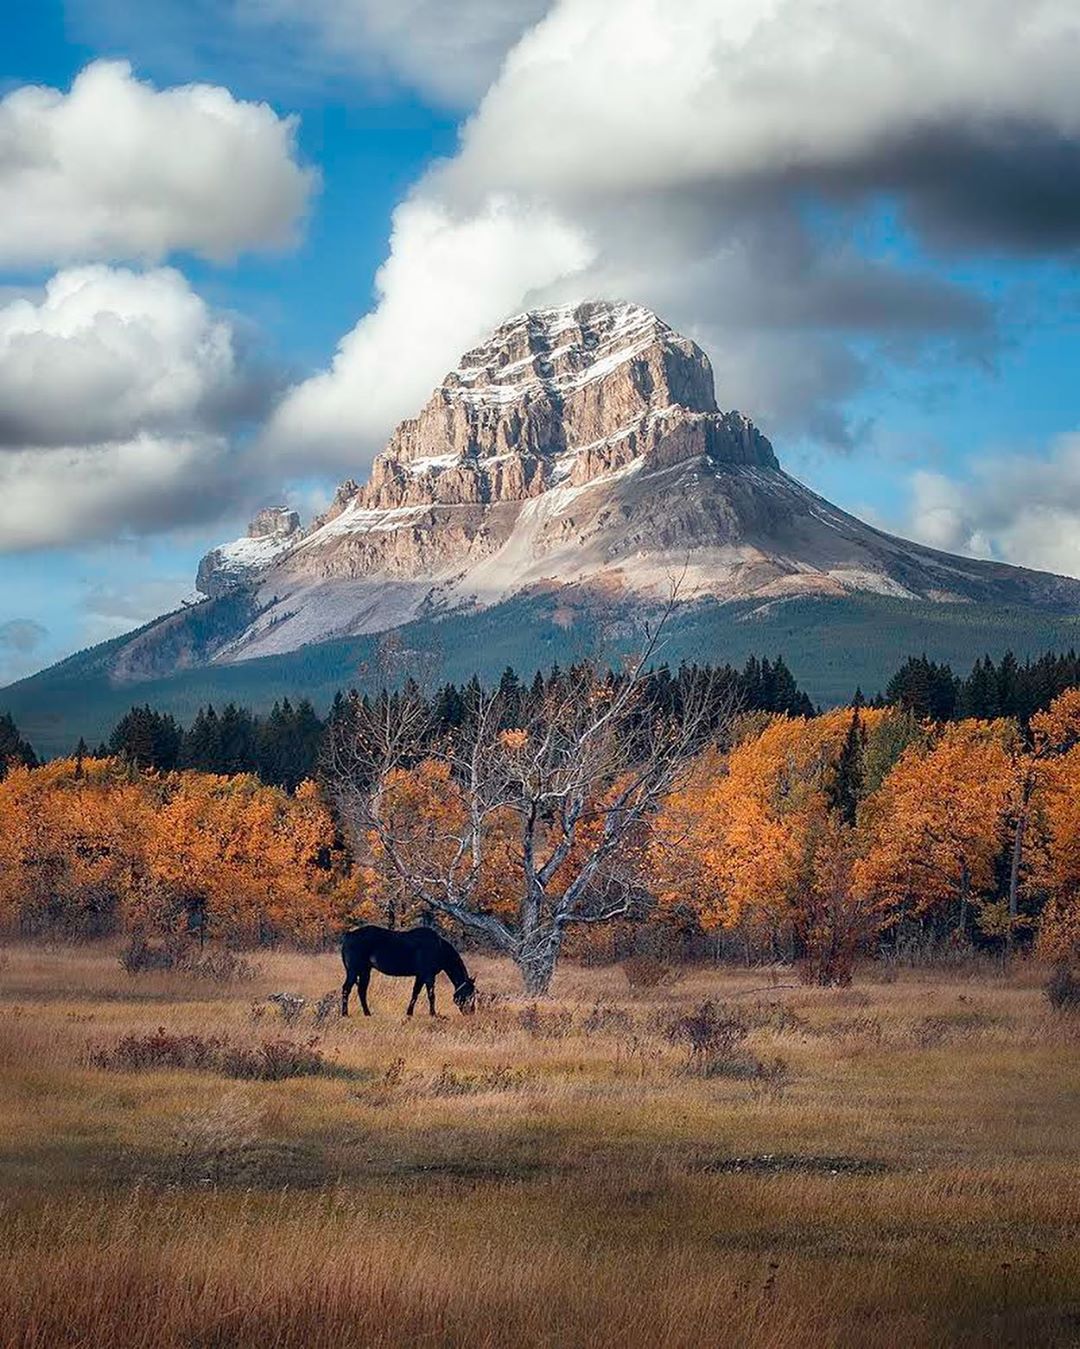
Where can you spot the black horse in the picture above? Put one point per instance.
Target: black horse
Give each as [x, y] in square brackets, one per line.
[420, 952]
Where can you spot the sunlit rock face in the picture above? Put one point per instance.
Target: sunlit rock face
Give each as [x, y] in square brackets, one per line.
[579, 445]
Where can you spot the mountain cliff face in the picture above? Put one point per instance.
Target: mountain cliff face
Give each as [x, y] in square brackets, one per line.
[579, 446]
[271, 533]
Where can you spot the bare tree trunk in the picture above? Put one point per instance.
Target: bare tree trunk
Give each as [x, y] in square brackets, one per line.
[965, 886]
[537, 969]
[591, 763]
[1018, 857]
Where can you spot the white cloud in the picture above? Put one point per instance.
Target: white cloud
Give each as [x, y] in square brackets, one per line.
[57, 497]
[646, 94]
[107, 352]
[452, 53]
[118, 169]
[122, 398]
[667, 153]
[1022, 509]
[447, 281]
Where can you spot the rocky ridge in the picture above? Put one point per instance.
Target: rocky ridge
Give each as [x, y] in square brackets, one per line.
[273, 532]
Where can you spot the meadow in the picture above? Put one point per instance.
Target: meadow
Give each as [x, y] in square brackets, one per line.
[894, 1163]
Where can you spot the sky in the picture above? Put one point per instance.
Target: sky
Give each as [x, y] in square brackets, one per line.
[241, 239]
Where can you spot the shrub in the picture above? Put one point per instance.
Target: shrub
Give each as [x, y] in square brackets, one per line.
[275, 1060]
[160, 1049]
[1063, 989]
[326, 1007]
[644, 971]
[272, 1061]
[140, 956]
[713, 1035]
[552, 1025]
[221, 966]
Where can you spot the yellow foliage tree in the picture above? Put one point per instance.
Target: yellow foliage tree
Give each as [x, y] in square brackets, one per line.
[939, 821]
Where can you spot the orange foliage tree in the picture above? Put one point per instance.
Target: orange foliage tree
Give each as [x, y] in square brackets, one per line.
[92, 846]
[938, 823]
[757, 840]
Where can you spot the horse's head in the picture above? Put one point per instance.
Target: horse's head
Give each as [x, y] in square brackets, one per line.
[465, 997]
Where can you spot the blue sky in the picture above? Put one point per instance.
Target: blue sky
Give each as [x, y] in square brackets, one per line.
[883, 270]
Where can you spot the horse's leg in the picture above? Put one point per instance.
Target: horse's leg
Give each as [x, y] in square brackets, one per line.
[418, 984]
[431, 995]
[362, 981]
[346, 989]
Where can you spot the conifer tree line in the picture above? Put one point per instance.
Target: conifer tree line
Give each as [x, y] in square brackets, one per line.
[13, 748]
[1006, 689]
[283, 747]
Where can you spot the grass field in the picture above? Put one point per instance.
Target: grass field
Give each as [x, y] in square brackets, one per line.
[899, 1168]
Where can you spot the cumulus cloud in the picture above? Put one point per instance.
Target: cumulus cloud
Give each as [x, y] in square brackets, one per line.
[453, 57]
[60, 496]
[117, 169]
[835, 98]
[1018, 508]
[123, 402]
[704, 159]
[446, 281]
[107, 352]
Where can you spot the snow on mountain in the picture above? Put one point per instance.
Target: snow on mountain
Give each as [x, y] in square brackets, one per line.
[273, 532]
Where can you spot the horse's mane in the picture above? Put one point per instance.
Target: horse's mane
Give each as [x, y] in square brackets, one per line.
[453, 964]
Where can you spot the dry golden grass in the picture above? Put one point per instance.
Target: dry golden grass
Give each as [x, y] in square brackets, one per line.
[910, 1179]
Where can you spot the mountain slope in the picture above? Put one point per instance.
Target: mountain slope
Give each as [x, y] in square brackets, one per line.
[580, 445]
[563, 473]
[831, 645]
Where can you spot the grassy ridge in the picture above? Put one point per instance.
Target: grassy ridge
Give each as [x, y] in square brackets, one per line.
[528, 1180]
[830, 645]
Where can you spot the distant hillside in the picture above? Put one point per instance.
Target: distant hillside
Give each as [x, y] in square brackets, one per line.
[831, 646]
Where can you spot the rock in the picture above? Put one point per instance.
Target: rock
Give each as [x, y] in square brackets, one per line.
[232, 565]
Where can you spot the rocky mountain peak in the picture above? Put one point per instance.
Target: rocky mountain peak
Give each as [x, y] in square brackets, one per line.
[578, 453]
[560, 396]
[274, 522]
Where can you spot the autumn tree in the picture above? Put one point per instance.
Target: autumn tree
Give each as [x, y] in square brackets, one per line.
[937, 825]
[539, 826]
[92, 847]
[1053, 771]
[761, 841]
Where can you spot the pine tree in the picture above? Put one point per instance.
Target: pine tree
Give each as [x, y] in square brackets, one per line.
[147, 739]
[13, 748]
[844, 789]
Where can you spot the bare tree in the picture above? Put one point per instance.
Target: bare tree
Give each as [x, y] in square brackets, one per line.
[570, 788]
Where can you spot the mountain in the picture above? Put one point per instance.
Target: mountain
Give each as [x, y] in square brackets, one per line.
[567, 470]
